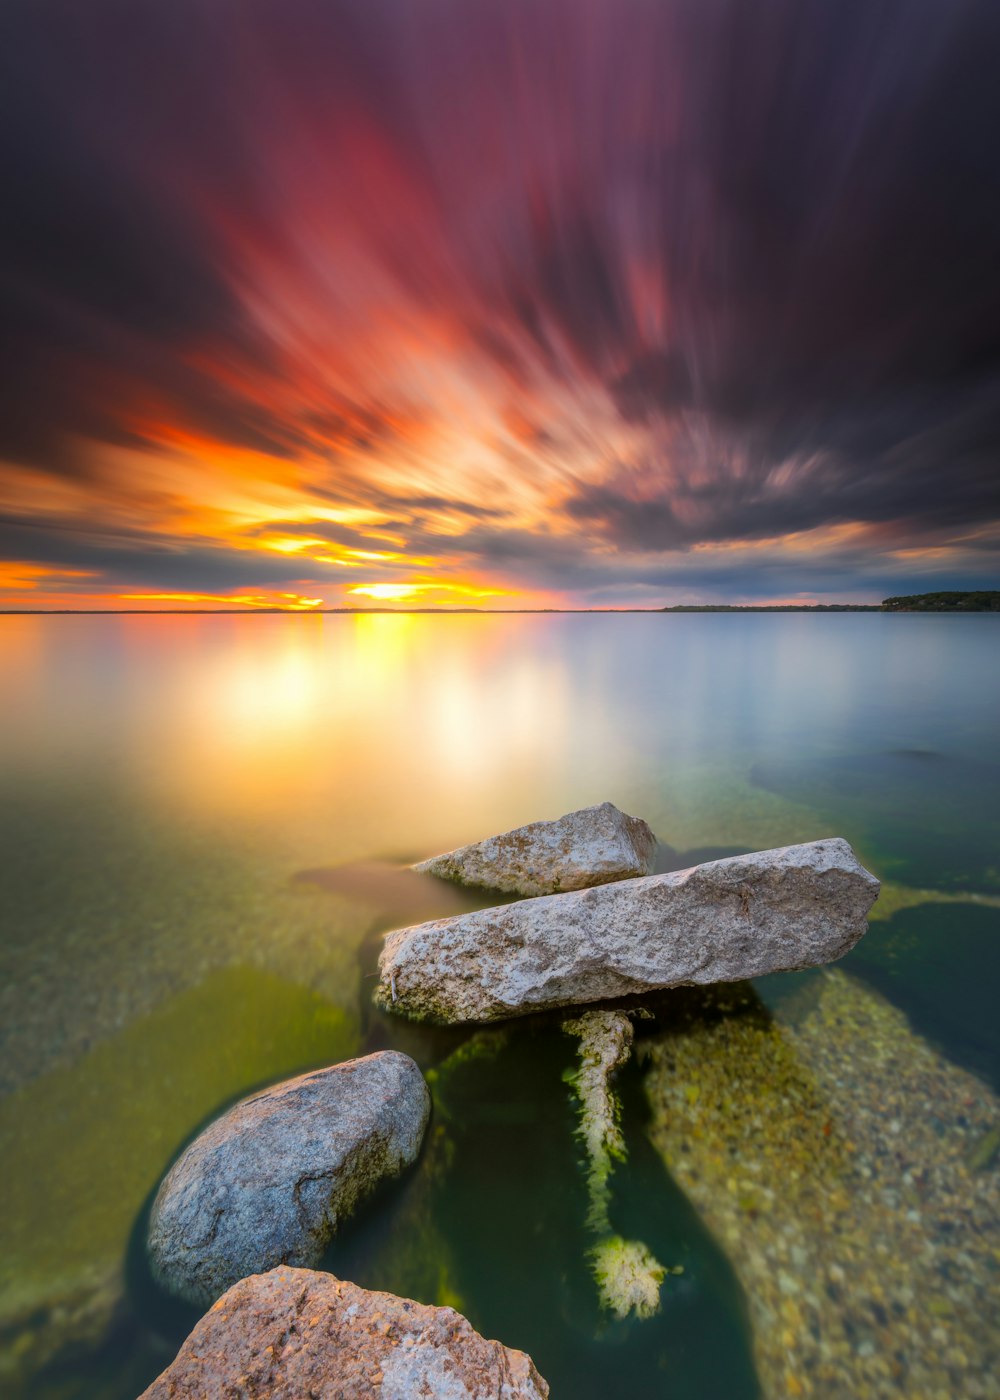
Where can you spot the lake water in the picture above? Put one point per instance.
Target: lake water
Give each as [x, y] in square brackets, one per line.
[203, 826]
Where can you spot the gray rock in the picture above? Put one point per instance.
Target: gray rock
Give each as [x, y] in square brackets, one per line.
[591, 847]
[292, 1333]
[269, 1182]
[771, 911]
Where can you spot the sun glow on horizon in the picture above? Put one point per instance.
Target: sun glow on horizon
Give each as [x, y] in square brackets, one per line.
[403, 592]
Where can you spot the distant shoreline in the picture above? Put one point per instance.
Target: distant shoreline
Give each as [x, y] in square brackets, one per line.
[485, 612]
[956, 601]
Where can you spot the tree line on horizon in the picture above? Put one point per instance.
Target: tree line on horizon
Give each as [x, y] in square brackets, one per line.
[981, 600]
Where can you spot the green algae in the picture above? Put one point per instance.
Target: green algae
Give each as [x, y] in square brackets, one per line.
[483, 1045]
[985, 1151]
[628, 1276]
[84, 1145]
[893, 898]
[605, 1042]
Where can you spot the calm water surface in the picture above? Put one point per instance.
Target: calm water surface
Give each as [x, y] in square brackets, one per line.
[203, 824]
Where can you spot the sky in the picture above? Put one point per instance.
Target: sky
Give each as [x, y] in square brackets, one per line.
[497, 303]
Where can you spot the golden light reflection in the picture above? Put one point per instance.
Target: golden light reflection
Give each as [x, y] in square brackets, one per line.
[284, 723]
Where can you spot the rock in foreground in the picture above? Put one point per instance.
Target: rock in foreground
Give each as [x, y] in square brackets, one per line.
[591, 847]
[269, 1181]
[772, 911]
[292, 1333]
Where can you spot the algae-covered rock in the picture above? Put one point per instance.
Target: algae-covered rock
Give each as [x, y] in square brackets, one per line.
[269, 1182]
[832, 1152]
[292, 1333]
[770, 911]
[590, 847]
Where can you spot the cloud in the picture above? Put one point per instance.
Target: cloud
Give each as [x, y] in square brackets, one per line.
[565, 294]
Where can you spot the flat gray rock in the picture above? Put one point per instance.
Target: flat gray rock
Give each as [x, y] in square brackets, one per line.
[772, 911]
[269, 1182]
[292, 1333]
[590, 847]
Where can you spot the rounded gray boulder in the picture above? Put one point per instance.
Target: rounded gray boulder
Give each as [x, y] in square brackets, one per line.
[270, 1181]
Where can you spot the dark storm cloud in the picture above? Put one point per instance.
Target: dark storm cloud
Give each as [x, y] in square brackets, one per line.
[556, 562]
[657, 383]
[764, 231]
[101, 274]
[133, 563]
[927, 465]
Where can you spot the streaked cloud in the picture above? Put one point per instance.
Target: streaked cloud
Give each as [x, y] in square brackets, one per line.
[583, 301]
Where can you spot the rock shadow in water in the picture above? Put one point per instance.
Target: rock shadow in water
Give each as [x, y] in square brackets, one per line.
[940, 963]
[501, 1211]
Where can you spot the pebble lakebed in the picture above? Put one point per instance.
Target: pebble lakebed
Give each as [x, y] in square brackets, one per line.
[846, 1168]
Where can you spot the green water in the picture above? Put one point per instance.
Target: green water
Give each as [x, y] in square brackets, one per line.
[203, 823]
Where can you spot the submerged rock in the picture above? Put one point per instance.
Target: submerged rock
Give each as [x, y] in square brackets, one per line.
[593, 846]
[771, 911]
[269, 1182]
[826, 1147]
[293, 1333]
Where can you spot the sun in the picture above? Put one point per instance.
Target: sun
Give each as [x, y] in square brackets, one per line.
[389, 592]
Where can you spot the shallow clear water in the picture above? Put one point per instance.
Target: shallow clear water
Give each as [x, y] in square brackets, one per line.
[202, 825]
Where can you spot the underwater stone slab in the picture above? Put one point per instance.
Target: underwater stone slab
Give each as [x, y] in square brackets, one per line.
[856, 1229]
[269, 1181]
[293, 1333]
[771, 911]
[590, 847]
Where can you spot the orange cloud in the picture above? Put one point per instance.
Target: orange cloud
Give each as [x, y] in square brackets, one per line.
[289, 601]
[19, 576]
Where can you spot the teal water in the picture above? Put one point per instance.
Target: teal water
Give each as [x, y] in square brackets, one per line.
[203, 822]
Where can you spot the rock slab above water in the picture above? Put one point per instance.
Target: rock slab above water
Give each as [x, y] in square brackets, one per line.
[771, 911]
[269, 1182]
[292, 1333]
[591, 847]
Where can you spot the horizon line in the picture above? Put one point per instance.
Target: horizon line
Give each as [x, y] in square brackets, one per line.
[481, 612]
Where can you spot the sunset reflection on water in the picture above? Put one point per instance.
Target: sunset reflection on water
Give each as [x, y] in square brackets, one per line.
[206, 822]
